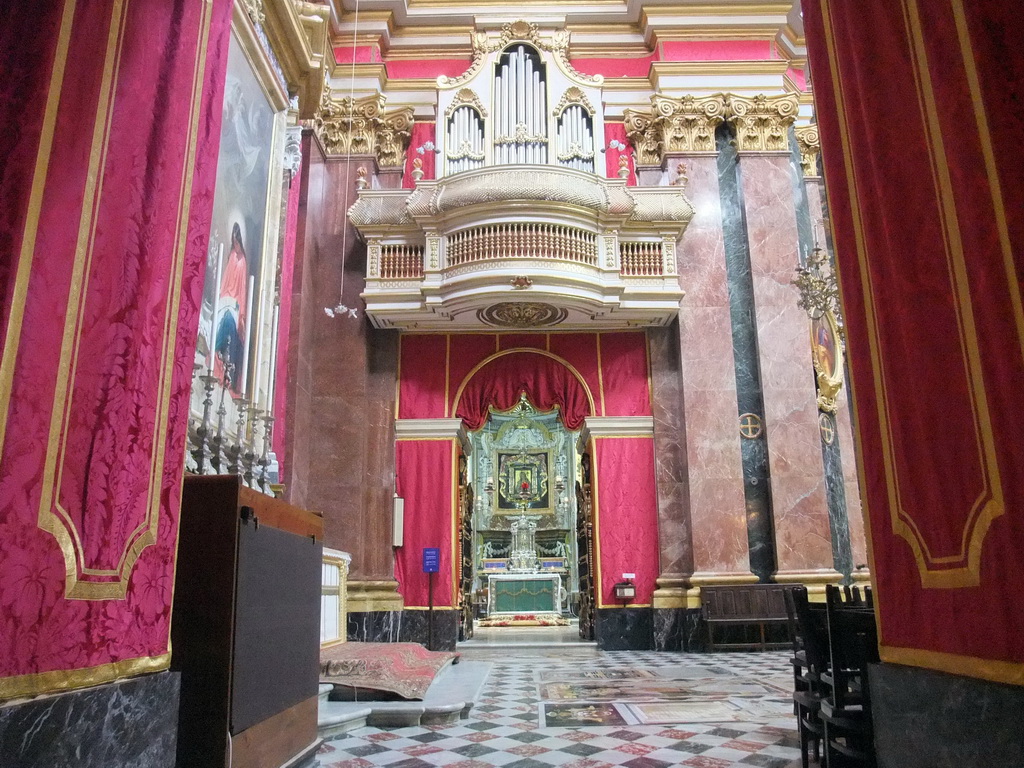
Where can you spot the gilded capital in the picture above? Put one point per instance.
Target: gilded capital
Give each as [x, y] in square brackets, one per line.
[688, 123]
[762, 122]
[644, 135]
[810, 146]
[362, 126]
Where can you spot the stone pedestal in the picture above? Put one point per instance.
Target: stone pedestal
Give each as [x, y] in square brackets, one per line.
[926, 719]
[126, 724]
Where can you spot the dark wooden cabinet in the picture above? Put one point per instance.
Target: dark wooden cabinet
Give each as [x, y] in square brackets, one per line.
[245, 631]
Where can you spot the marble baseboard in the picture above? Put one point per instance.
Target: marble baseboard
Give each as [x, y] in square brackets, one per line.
[416, 628]
[131, 723]
[375, 626]
[677, 629]
[624, 629]
[927, 719]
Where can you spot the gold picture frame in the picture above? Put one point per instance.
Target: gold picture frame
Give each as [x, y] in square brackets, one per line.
[828, 359]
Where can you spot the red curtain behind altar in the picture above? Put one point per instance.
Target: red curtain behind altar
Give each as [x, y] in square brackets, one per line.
[546, 382]
[627, 516]
[435, 367]
[114, 119]
[424, 477]
[921, 129]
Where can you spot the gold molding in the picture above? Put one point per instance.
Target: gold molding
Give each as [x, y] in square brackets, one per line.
[66, 680]
[298, 34]
[762, 122]
[810, 146]
[362, 126]
[365, 596]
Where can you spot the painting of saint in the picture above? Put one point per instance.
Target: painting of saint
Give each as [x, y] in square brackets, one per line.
[232, 303]
[238, 231]
[824, 347]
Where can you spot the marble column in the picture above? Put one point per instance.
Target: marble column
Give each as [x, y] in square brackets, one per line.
[809, 145]
[341, 407]
[800, 514]
[717, 507]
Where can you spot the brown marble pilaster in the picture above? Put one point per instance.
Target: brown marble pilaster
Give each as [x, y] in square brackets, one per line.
[342, 409]
[715, 472]
[675, 551]
[800, 512]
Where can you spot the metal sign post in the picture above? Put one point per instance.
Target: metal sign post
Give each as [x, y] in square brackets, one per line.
[431, 565]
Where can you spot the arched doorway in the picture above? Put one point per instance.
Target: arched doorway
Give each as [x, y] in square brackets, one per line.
[524, 543]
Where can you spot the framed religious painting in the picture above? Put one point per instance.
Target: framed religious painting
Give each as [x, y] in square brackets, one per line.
[827, 356]
[523, 483]
[242, 253]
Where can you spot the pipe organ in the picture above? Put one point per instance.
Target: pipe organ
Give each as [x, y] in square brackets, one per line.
[465, 141]
[576, 138]
[520, 108]
[499, 111]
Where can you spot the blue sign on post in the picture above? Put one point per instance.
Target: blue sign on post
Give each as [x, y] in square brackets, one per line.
[431, 559]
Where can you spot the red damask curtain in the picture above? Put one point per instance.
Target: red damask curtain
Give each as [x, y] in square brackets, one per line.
[921, 129]
[546, 382]
[111, 116]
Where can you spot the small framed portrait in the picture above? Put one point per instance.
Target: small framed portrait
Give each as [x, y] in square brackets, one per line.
[827, 356]
[523, 482]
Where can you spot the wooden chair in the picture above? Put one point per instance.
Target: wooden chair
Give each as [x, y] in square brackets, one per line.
[810, 660]
[846, 709]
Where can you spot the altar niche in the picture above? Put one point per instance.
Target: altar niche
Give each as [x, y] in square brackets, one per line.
[524, 467]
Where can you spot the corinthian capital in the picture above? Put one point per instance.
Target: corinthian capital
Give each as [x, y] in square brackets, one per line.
[688, 123]
[363, 127]
[761, 121]
[810, 146]
[643, 133]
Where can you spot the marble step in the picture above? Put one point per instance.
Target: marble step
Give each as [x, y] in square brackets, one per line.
[450, 698]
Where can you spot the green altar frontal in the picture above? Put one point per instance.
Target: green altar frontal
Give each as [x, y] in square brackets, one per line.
[523, 593]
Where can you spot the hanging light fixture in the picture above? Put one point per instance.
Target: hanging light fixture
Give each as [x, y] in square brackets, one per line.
[819, 288]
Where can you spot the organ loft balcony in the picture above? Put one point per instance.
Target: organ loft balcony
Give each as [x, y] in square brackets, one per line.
[521, 246]
[520, 229]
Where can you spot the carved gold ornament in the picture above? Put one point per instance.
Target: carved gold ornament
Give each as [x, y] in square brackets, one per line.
[363, 127]
[645, 135]
[521, 137]
[465, 97]
[827, 357]
[524, 31]
[511, 314]
[688, 123]
[573, 96]
[810, 145]
[762, 122]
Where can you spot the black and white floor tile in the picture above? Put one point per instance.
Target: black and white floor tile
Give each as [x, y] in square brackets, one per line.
[734, 712]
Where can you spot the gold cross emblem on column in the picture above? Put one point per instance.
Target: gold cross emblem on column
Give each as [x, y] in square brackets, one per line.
[828, 433]
[750, 425]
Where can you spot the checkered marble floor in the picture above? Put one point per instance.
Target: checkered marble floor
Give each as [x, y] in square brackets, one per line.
[508, 726]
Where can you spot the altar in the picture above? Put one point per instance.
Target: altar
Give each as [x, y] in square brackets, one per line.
[522, 593]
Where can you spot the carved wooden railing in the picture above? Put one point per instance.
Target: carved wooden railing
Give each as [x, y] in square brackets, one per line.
[641, 259]
[401, 262]
[522, 241]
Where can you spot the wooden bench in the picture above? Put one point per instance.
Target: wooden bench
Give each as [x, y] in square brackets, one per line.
[745, 605]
